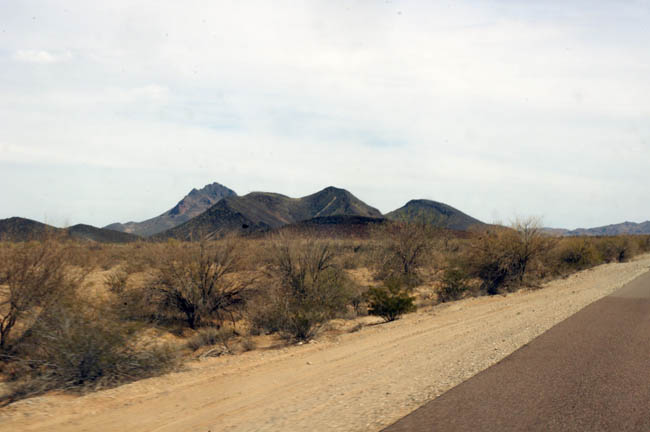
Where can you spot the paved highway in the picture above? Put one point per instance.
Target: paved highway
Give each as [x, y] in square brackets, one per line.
[591, 372]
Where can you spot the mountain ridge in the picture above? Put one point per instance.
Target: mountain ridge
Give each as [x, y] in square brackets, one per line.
[627, 227]
[22, 229]
[263, 211]
[191, 205]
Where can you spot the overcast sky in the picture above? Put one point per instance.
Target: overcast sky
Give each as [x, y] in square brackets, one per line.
[113, 110]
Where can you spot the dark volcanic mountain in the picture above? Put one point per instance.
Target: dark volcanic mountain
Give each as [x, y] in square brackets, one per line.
[335, 226]
[262, 211]
[21, 229]
[192, 205]
[613, 230]
[437, 214]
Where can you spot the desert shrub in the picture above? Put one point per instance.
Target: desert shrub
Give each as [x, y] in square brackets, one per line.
[391, 300]
[248, 344]
[307, 290]
[198, 281]
[140, 305]
[619, 248]
[116, 281]
[576, 253]
[403, 250]
[454, 284]
[501, 257]
[210, 336]
[492, 259]
[76, 346]
[643, 243]
[33, 276]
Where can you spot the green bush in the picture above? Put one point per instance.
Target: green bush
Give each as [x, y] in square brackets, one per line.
[454, 284]
[390, 301]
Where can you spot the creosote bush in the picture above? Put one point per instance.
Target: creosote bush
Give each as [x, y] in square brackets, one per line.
[33, 276]
[454, 284]
[617, 249]
[500, 257]
[197, 280]
[390, 301]
[76, 346]
[403, 250]
[575, 253]
[307, 290]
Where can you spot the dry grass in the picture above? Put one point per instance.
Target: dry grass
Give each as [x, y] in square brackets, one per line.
[92, 303]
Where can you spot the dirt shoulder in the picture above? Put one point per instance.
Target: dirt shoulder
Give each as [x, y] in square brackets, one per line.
[355, 382]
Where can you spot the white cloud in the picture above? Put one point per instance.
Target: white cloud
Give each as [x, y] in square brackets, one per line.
[35, 56]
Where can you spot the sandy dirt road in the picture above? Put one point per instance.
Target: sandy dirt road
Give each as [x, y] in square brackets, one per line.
[355, 382]
[591, 372]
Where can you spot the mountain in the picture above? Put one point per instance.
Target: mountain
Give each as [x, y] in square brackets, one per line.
[100, 235]
[262, 211]
[21, 229]
[435, 213]
[335, 226]
[613, 230]
[192, 205]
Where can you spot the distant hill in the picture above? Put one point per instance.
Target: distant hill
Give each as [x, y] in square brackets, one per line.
[100, 235]
[612, 230]
[555, 232]
[192, 205]
[21, 229]
[435, 213]
[263, 211]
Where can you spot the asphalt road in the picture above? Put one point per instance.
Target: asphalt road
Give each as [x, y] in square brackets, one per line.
[591, 372]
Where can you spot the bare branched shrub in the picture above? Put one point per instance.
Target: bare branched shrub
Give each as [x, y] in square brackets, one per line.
[198, 280]
[531, 243]
[403, 250]
[33, 276]
[307, 290]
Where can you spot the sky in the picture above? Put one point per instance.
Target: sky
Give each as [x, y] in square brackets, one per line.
[113, 111]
